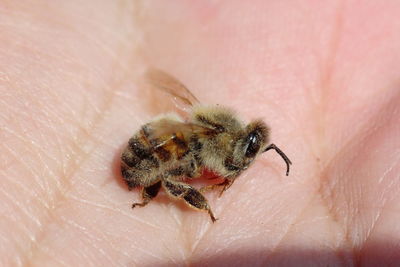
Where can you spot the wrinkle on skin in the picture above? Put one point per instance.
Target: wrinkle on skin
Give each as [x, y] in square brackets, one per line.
[369, 192]
[320, 74]
[75, 152]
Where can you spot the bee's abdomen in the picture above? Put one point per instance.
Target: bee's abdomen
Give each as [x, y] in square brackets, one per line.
[138, 162]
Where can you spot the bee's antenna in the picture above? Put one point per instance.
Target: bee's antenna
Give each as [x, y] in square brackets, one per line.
[280, 152]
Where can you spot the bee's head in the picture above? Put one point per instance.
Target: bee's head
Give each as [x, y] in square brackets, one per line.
[255, 139]
[251, 143]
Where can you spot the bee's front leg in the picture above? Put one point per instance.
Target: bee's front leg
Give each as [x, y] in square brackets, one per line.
[226, 184]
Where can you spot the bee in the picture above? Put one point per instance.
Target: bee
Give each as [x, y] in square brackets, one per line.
[170, 150]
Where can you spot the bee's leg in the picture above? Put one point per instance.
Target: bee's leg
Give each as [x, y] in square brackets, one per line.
[226, 184]
[148, 193]
[189, 194]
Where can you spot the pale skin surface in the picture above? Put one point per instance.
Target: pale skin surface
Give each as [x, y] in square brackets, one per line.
[324, 76]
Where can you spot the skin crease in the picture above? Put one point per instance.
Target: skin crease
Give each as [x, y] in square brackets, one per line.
[323, 74]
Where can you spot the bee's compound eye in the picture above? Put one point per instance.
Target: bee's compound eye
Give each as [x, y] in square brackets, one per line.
[253, 144]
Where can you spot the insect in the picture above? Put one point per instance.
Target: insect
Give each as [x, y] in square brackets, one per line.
[169, 150]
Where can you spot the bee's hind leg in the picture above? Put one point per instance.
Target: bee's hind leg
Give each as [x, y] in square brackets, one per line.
[148, 193]
[189, 194]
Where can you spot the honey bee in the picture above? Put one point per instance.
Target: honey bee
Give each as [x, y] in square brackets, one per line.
[170, 150]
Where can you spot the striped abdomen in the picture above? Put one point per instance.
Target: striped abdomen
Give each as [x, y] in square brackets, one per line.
[145, 159]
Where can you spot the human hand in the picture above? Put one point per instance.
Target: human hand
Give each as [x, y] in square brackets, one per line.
[323, 75]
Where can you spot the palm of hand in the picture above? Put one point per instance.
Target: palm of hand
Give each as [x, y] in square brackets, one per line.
[326, 83]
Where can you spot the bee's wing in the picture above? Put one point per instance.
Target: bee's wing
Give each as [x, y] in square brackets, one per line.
[160, 132]
[183, 99]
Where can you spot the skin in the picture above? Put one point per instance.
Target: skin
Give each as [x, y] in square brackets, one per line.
[323, 74]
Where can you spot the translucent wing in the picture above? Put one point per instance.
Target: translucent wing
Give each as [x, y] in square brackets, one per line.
[164, 130]
[183, 99]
